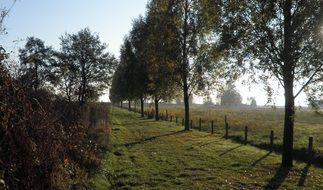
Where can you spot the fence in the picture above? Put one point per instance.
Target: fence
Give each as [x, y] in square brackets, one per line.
[306, 154]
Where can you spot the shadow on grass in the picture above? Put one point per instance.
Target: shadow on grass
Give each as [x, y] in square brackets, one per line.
[260, 159]
[278, 179]
[298, 154]
[152, 138]
[302, 180]
[230, 150]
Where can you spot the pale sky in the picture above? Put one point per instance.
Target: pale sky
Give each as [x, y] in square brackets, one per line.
[110, 19]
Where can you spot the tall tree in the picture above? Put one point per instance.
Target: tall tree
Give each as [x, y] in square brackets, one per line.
[138, 38]
[198, 65]
[66, 79]
[92, 65]
[118, 91]
[162, 50]
[37, 59]
[129, 63]
[282, 39]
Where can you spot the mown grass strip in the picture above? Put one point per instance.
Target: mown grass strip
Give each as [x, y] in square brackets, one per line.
[158, 155]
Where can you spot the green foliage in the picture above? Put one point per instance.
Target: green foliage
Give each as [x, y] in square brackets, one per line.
[162, 51]
[37, 61]
[138, 37]
[85, 67]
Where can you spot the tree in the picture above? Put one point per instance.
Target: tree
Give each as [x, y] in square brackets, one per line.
[37, 59]
[66, 78]
[126, 78]
[162, 51]
[198, 65]
[282, 39]
[129, 63]
[117, 91]
[88, 63]
[253, 102]
[231, 97]
[138, 38]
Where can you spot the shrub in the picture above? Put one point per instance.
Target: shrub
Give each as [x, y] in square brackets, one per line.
[46, 142]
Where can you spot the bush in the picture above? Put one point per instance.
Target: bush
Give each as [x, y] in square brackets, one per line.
[46, 142]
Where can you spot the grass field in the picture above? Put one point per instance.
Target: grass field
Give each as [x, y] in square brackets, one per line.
[145, 154]
[260, 122]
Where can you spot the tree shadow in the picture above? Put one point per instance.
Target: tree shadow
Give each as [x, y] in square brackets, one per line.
[276, 181]
[134, 123]
[151, 138]
[302, 180]
[260, 159]
[230, 150]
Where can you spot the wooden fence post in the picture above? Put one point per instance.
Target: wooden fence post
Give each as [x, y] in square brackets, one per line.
[246, 135]
[226, 127]
[200, 124]
[166, 115]
[183, 122]
[310, 149]
[171, 118]
[271, 140]
[212, 127]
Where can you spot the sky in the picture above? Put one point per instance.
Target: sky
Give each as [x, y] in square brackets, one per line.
[50, 19]
[110, 19]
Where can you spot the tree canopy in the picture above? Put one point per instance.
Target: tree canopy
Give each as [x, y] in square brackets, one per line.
[283, 40]
[231, 97]
[89, 67]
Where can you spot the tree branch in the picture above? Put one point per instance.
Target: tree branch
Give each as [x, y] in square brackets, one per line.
[309, 80]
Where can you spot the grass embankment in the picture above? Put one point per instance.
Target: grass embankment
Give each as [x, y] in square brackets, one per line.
[158, 155]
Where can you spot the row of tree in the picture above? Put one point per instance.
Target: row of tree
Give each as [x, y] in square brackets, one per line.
[167, 55]
[190, 45]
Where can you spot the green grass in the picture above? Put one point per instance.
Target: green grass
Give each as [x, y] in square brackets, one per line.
[260, 122]
[145, 154]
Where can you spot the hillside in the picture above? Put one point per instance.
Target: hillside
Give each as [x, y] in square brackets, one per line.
[145, 154]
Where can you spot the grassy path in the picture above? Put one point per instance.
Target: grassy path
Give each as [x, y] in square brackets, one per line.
[157, 155]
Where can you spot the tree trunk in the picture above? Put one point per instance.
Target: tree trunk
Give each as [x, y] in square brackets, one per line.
[142, 106]
[288, 78]
[156, 109]
[129, 105]
[287, 158]
[185, 68]
[121, 104]
[187, 107]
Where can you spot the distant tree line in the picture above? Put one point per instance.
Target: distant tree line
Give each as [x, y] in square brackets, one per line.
[191, 46]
